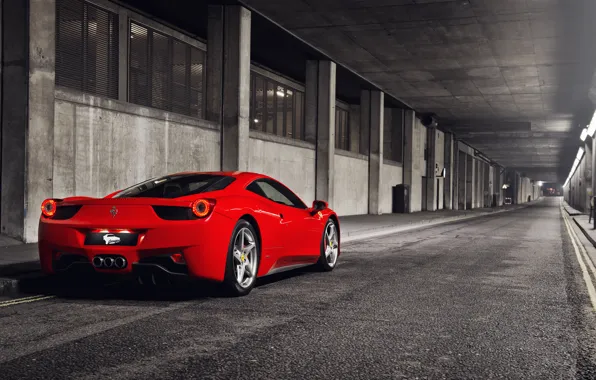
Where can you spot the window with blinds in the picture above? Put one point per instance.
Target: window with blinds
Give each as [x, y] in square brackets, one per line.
[165, 73]
[276, 108]
[86, 48]
[393, 129]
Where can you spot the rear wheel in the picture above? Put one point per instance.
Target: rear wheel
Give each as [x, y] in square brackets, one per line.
[243, 260]
[329, 247]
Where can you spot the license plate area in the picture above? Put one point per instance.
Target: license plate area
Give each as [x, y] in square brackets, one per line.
[128, 239]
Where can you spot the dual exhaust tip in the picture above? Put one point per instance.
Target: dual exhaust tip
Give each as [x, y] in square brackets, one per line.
[109, 262]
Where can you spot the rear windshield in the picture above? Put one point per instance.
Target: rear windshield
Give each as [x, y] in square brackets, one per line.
[177, 186]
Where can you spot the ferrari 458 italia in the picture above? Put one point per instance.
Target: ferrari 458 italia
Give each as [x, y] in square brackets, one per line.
[226, 227]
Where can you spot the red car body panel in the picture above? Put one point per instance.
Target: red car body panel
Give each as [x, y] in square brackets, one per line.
[288, 236]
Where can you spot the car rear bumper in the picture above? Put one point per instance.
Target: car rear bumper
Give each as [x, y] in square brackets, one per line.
[137, 269]
[203, 246]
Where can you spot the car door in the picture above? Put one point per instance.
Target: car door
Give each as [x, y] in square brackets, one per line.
[297, 227]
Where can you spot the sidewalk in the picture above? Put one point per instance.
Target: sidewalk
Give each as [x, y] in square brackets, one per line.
[18, 259]
[581, 220]
[570, 210]
[360, 227]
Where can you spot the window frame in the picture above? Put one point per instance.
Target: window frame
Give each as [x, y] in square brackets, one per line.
[277, 185]
[276, 80]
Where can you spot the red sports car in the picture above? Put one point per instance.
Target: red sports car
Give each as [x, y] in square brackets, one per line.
[229, 227]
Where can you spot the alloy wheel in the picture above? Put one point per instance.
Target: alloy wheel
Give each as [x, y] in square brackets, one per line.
[331, 244]
[245, 258]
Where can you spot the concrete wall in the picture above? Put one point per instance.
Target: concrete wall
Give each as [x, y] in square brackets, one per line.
[392, 175]
[351, 184]
[291, 162]
[104, 145]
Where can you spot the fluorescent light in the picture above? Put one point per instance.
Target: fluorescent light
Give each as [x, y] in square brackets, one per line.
[540, 183]
[256, 120]
[576, 162]
[592, 126]
[281, 94]
[584, 134]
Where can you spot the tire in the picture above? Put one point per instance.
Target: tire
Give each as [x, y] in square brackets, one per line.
[246, 261]
[329, 253]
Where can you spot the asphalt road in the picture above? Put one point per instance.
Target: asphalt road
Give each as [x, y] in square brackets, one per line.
[497, 297]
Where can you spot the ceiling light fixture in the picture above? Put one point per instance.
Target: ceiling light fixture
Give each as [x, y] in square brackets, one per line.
[576, 162]
[580, 153]
[592, 126]
[584, 134]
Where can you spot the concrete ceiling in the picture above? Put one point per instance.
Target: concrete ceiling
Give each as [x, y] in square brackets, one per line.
[510, 77]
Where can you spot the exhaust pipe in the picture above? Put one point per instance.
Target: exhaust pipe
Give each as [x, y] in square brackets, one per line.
[98, 261]
[120, 262]
[108, 262]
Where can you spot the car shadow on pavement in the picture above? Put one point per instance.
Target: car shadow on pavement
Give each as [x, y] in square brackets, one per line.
[127, 290]
[93, 288]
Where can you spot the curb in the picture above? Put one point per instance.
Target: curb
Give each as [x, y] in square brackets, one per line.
[566, 207]
[586, 234]
[391, 230]
[19, 269]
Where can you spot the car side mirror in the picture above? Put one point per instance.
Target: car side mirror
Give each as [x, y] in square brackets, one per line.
[318, 206]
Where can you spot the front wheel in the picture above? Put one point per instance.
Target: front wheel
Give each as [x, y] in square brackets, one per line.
[243, 259]
[329, 247]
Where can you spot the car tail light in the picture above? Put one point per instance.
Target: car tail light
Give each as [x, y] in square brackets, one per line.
[48, 208]
[202, 208]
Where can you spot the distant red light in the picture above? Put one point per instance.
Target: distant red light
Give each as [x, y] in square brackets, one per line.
[178, 258]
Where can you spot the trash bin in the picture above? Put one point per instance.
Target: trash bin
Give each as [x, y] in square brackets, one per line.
[401, 199]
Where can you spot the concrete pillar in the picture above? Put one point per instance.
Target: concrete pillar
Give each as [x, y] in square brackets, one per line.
[470, 178]
[28, 113]
[228, 81]
[462, 173]
[487, 185]
[479, 183]
[375, 157]
[311, 97]
[431, 176]
[364, 137]
[593, 182]
[448, 180]
[456, 175]
[320, 119]
[517, 188]
[413, 152]
[588, 175]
